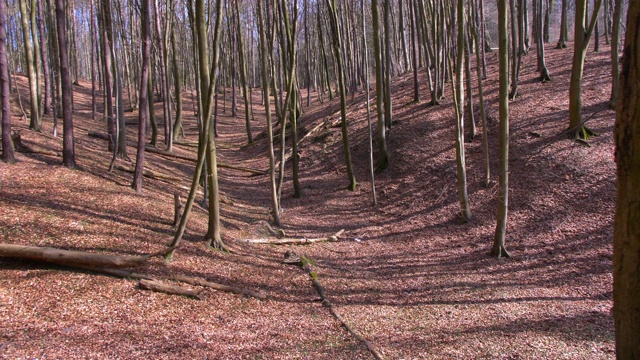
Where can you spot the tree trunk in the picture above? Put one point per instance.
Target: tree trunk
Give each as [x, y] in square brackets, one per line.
[275, 206]
[107, 43]
[243, 76]
[581, 42]
[626, 243]
[463, 198]
[615, 47]
[337, 49]
[68, 151]
[499, 249]
[177, 81]
[383, 154]
[143, 106]
[7, 149]
[206, 144]
[45, 60]
[562, 40]
[35, 122]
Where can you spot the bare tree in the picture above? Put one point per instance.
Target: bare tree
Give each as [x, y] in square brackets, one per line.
[68, 151]
[499, 248]
[143, 106]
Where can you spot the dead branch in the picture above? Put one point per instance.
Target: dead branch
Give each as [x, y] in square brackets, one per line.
[306, 264]
[158, 286]
[220, 287]
[296, 241]
[72, 258]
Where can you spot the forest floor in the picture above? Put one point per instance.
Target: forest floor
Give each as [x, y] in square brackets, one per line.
[407, 274]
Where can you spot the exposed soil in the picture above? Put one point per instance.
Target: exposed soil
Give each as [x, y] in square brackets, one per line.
[407, 274]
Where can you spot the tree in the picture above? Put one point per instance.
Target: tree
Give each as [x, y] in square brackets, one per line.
[337, 46]
[615, 45]
[206, 143]
[68, 151]
[542, 65]
[458, 90]
[581, 42]
[383, 154]
[35, 122]
[562, 40]
[626, 242]
[7, 149]
[499, 249]
[143, 99]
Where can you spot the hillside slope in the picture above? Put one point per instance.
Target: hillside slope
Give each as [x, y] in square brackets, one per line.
[407, 274]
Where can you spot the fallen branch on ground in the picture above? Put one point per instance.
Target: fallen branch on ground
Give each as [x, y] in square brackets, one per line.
[295, 241]
[306, 264]
[220, 287]
[158, 286]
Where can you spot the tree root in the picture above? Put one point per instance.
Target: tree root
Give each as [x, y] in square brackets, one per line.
[500, 251]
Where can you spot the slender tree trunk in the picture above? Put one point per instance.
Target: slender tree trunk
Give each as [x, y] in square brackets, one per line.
[7, 149]
[615, 47]
[499, 248]
[383, 154]
[68, 152]
[367, 90]
[177, 81]
[414, 54]
[562, 40]
[463, 198]
[388, 106]
[45, 60]
[337, 48]
[243, 76]
[485, 140]
[275, 206]
[108, 82]
[35, 122]
[626, 239]
[143, 106]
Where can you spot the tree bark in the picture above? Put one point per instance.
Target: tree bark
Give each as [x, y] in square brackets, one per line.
[68, 150]
[143, 105]
[72, 258]
[35, 122]
[581, 43]
[7, 149]
[499, 248]
[626, 243]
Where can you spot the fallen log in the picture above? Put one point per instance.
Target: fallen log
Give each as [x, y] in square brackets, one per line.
[220, 287]
[158, 286]
[149, 174]
[72, 258]
[296, 241]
